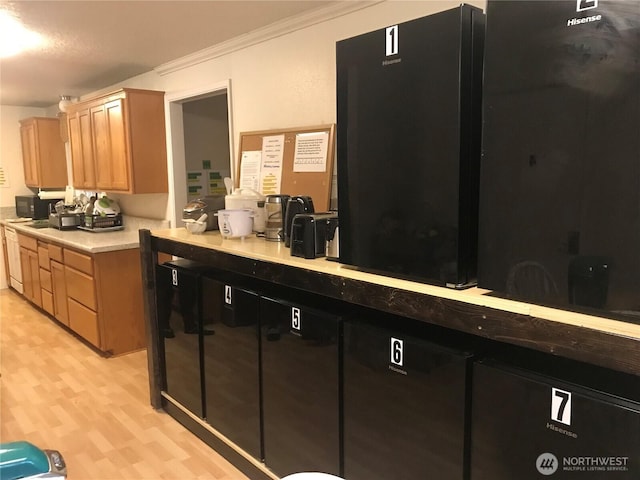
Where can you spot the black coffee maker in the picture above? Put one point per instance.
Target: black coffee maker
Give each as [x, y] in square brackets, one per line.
[295, 205]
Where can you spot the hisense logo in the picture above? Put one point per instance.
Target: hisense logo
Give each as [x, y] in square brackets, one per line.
[580, 21]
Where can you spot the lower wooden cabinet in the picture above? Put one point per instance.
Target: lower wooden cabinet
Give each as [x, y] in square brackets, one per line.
[84, 322]
[61, 310]
[98, 296]
[30, 269]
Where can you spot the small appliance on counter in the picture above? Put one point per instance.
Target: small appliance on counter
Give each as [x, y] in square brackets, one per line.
[64, 220]
[210, 205]
[275, 208]
[309, 234]
[332, 251]
[295, 205]
[242, 198]
[65, 217]
[32, 206]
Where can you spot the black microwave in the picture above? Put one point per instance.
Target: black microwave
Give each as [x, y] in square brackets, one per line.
[32, 206]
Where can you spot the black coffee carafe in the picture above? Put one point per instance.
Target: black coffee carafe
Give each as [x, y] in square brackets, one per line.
[295, 205]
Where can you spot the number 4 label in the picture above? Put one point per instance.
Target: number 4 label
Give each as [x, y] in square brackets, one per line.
[561, 406]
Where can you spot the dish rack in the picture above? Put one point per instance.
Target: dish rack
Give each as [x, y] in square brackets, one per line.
[101, 221]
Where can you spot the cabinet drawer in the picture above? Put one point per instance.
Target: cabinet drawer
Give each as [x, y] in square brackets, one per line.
[29, 243]
[80, 286]
[84, 322]
[55, 253]
[45, 280]
[43, 255]
[81, 262]
[47, 302]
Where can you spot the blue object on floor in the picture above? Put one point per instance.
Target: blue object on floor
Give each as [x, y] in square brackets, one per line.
[23, 460]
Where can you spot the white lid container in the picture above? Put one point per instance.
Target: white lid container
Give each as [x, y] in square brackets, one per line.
[246, 198]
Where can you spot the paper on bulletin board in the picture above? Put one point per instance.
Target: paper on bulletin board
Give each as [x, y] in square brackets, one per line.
[271, 171]
[311, 152]
[250, 169]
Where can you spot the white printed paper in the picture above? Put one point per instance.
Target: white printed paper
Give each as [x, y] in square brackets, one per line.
[272, 159]
[250, 169]
[311, 152]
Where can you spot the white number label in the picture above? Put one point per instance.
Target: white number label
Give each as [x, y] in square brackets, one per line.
[392, 40]
[397, 352]
[174, 277]
[227, 294]
[295, 318]
[583, 5]
[561, 406]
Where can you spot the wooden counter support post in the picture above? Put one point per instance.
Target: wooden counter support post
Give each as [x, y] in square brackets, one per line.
[148, 257]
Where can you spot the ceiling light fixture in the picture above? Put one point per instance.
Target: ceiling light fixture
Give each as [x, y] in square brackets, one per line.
[14, 37]
[65, 101]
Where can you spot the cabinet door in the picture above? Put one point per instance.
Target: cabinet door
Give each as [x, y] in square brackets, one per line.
[34, 269]
[300, 361]
[28, 137]
[60, 307]
[82, 149]
[109, 140]
[114, 112]
[231, 363]
[27, 281]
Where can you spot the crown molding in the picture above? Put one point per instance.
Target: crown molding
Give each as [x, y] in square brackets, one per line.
[263, 34]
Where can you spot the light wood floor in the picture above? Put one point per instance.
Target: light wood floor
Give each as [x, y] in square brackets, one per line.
[57, 393]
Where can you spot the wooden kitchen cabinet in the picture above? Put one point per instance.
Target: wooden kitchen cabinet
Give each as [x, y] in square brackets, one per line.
[43, 154]
[30, 269]
[46, 284]
[118, 142]
[98, 296]
[80, 140]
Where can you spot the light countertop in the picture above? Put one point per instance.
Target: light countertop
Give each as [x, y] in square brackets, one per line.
[263, 250]
[91, 242]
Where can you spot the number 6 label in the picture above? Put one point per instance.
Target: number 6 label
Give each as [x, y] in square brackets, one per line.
[561, 406]
[397, 351]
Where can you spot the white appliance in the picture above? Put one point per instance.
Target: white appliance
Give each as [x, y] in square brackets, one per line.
[13, 252]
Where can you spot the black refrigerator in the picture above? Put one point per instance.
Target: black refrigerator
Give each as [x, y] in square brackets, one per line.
[231, 360]
[179, 299]
[560, 177]
[529, 426]
[408, 147]
[405, 403]
[301, 387]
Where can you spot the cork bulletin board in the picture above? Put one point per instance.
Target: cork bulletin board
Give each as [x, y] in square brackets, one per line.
[294, 161]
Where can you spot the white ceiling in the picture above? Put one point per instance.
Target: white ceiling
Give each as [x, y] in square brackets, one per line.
[94, 44]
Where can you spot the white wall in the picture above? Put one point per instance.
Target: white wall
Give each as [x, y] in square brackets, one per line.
[11, 151]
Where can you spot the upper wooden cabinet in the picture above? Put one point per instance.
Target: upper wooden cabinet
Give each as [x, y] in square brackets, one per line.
[45, 163]
[118, 142]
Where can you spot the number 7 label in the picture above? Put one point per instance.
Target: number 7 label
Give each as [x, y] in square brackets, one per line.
[561, 406]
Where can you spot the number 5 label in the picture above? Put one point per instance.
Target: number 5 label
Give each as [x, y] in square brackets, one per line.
[561, 406]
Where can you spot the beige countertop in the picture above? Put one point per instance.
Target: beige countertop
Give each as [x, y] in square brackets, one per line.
[91, 242]
[260, 249]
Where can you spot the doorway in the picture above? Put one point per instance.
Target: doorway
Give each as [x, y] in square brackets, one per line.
[200, 145]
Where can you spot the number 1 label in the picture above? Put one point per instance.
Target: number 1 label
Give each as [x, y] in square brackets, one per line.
[392, 40]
